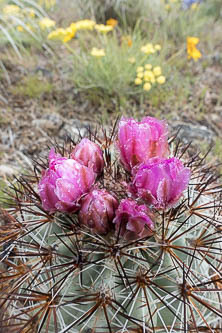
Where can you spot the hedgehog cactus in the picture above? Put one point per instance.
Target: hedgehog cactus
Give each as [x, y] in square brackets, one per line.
[120, 233]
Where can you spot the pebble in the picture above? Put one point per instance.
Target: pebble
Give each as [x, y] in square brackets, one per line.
[189, 132]
[50, 121]
[75, 129]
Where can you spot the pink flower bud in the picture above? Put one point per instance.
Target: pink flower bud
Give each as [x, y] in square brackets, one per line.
[139, 141]
[133, 221]
[98, 210]
[160, 182]
[64, 183]
[89, 154]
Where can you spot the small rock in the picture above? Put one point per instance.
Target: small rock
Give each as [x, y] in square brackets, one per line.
[210, 98]
[74, 129]
[218, 109]
[190, 132]
[52, 122]
[43, 71]
[214, 98]
[215, 117]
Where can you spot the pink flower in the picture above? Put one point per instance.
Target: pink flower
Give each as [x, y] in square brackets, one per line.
[133, 221]
[98, 210]
[160, 182]
[63, 183]
[89, 154]
[139, 141]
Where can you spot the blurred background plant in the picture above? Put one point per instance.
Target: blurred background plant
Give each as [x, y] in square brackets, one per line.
[23, 23]
[47, 4]
[110, 75]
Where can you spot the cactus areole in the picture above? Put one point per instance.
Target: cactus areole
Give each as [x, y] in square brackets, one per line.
[118, 232]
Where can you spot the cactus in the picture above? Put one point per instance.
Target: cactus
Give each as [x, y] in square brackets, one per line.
[110, 237]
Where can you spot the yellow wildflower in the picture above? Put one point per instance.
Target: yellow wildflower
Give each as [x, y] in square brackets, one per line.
[64, 35]
[84, 25]
[147, 86]
[138, 81]
[103, 28]
[194, 5]
[148, 49]
[132, 60]
[148, 66]
[140, 75]
[11, 10]
[72, 28]
[30, 12]
[46, 23]
[157, 47]
[161, 79]
[112, 22]
[129, 42]
[157, 71]
[69, 34]
[192, 51]
[140, 69]
[149, 76]
[193, 40]
[20, 28]
[57, 34]
[195, 54]
[97, 52]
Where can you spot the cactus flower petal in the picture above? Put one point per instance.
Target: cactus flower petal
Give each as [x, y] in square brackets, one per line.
[161, 182]
[49, 198]
[63, 183]
[98, 210]
[133, 221]
[89, 154]
[139, 141]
